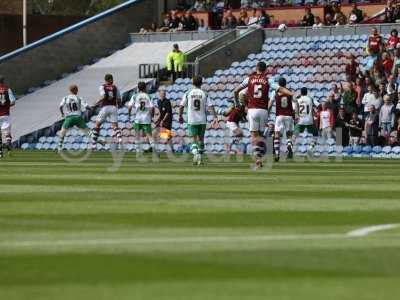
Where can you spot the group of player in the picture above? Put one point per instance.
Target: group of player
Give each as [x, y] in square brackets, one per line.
[254, 99]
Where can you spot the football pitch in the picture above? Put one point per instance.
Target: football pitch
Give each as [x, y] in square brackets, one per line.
[169, 230]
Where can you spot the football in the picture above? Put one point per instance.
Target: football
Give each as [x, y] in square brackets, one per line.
[282, 27]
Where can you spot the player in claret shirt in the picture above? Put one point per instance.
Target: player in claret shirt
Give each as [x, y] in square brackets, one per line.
[284, 122]
[7, 100]
[258, 88]
[109, 102]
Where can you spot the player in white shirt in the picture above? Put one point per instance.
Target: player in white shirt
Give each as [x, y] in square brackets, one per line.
[197, 103]
[109, 102]
[71, 108]
[143, 108]
[305, 112]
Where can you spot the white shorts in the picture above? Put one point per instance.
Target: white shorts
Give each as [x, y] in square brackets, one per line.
[258, 118]
[110, 112]
[232, 126]
[284, 124]
[5, 123]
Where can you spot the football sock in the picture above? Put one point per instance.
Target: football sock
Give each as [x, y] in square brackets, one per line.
[277, 145]
[1, 144]
[194, 149]
[117, 133]
[61, 142]
[8, 140]
[95, 135]
[201, 147]
[152, 144]
[289, 143]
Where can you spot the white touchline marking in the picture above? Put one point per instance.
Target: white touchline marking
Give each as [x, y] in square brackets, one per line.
[370, 229]
[200, 239]
[204, 239]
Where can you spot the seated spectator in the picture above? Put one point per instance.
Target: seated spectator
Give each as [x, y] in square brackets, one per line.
[352, 68]
[371, 127]
[189, 22]
[339, 18]
[174, 22]
[318, 23]
[245, 3]
[386, 118]
[374, 44]
[243, 18]
[152, 28]
[356, 15]
[166, 23]
[308, 19]
[390, 13]
[355, 129]
[202, 26]
[387, 63]
[265, 19]
[231, 21]
[371, 98]
[329, 20]
[253, 19]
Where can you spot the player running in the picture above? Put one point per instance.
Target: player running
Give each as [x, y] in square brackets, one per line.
[258, 86]
[71, 108]
[197, 102]
[7, 100]
[109, 101]
[144, 111]
[234, 115]
[305, 112]
[284, 120]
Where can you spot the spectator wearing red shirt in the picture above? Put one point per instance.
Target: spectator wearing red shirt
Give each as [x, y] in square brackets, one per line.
[387, 63]
[374, 44]
[352, 69]
[393, 41]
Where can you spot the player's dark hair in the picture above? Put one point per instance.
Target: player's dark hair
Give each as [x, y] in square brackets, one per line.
[108, 77]
[141, 86]
[1, 79]
[303, 91]
[282, 82]
[73, 89]
[261, 66]
[197, 81]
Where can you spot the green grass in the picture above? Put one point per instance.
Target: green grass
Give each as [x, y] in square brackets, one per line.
[173, 231]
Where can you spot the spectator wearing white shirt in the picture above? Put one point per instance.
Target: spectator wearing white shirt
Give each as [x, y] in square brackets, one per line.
[386, 118]
[318, 23]
[371, 98]
[253, 19]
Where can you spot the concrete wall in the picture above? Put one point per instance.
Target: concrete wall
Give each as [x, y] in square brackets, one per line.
[236, 50]
[64, 52]
[208, 46]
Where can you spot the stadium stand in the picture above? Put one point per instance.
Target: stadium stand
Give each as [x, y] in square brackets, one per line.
[312, 61]
[40, 108]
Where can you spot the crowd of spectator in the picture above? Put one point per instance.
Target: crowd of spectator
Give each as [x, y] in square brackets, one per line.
[366, 107]
[253, 12]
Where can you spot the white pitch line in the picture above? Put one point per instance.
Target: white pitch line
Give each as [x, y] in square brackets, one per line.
[370, 229]
[144, 241]
[201, 239]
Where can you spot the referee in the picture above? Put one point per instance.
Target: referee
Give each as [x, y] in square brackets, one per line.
[165, 119]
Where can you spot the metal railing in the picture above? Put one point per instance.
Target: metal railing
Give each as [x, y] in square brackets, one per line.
[174, 36]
